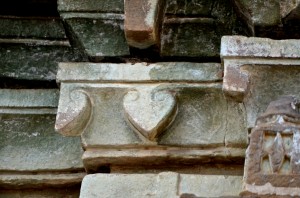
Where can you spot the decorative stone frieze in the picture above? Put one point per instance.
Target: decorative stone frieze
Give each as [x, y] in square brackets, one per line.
[165, 184]
[272, 158]
[31, 151]
[121, 110]
[254, 66]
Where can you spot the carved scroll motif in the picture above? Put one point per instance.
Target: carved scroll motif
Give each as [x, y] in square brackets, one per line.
[74, 113]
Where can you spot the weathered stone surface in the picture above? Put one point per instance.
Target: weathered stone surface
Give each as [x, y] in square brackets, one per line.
[140, 72]
[116, 6]
[165, 184]
[26, 145]
[210, 185]
[143, 19]
[42, 28]
[96, 35]
[261, 12]
[155, 157]
[191, 37]
[249, 61]
[28, 140]
[33, 59]
[47, 98]
[143, 108]
[197, 7]
[239, 46]
[42, 180]
[149, 112]
[65, 192]
[272, 158]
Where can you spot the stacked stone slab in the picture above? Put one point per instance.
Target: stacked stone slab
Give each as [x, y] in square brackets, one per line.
[35, 160]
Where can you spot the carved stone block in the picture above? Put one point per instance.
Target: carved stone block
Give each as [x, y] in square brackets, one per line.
[254, 66]
[272, 158]
[143, 19]
[96, 28]
[149, 112]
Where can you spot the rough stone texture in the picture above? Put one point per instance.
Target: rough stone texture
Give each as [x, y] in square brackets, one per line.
[28, 140]
[239, 46]
[96, 35]
[192, 37]
[40, 180]
[271, 18]
[210, 185]
[46, 98]
[261, 12]
[196, 7]
[33, 59]
[91, 94]
[194, 28]
[272, 158]
[116, 6]
[249, 61]
[26, 145]
[66, 192]
[43, 28]
[143, 20]
[140, 72]
[159, 157]
[165, 184]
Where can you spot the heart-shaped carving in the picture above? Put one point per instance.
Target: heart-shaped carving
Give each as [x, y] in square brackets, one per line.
[149, 112]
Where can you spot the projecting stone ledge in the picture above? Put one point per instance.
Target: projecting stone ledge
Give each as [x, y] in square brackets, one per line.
[166, 184]
[259, 70]
[174, 109]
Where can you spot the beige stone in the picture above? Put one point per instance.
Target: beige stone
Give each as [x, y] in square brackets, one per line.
[166, 184]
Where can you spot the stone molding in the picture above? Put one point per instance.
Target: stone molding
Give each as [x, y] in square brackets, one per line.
[238, 51]
[169, 107]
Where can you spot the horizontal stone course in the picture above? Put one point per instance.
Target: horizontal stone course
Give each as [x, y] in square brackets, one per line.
[163, 71]
[166, 184]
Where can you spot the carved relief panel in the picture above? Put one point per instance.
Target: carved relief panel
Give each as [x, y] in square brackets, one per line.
[149, 114]
[272, 159]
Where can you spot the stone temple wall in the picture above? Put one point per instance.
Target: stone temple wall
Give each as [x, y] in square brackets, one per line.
[149, 98]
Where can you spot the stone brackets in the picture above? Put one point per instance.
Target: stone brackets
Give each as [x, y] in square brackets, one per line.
[238, 51]
[122, 110]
